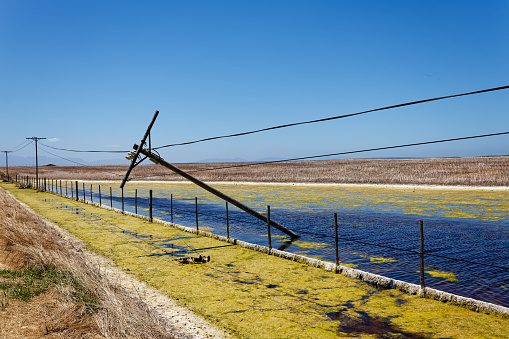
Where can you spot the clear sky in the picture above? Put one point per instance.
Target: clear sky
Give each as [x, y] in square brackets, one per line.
[88, 75]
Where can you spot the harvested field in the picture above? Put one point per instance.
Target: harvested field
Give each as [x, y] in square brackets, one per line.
[478, 171]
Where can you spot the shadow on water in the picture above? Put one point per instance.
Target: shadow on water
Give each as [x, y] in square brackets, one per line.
[285, 245]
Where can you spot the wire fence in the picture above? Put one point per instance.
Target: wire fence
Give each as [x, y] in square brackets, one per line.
[235, 224]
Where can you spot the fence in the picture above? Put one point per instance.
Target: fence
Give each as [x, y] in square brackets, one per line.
[72, 190]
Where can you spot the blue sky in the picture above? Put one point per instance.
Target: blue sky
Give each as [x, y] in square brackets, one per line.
[89, 75]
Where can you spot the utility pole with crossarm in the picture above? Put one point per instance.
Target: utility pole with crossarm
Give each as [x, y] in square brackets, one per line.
[36, 160]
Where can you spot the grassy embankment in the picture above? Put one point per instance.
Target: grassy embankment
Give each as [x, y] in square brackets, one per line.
[255, 295]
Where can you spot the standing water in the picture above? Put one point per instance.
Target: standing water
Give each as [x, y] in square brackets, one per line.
[378, 227]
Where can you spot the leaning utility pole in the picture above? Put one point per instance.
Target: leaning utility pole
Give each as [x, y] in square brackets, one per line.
[133, 156]
[36, 161]
[7, 163]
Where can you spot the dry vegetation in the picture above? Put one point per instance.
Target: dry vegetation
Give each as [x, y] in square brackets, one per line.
[479, 171]
[75, 299]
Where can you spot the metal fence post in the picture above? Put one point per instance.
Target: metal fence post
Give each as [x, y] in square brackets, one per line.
[84, 195]
[196, 212]
[100, 197]
[136, 201]
[91, 198]
[336, 239]
[77, 197]
[268, 227]
[171, 207]
[111, 198]
[150, 205]
[421, 255]
[227, 222]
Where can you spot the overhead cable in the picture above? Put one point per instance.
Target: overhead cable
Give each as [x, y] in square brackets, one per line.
[20, 147]
[78, 163]
[340, 153]
[332, 118]
[81, 151]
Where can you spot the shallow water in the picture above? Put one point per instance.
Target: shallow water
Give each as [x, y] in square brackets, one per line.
[472, 225]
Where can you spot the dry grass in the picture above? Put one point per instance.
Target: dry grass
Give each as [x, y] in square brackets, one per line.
[479, 171]
[26, 240]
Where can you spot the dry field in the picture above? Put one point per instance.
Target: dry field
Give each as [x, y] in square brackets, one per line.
[478, 171]
[48, 287]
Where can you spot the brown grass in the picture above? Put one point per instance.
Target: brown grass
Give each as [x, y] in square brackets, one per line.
[27, 240]
[478, 171]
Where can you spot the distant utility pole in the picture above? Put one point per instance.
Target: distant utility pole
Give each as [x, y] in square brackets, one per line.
[36, 160]
[7, 163]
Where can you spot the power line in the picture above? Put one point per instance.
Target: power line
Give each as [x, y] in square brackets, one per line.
[81, 151]
[78, 163]
[14, 149]
[331, 118]
[339, 153]
[19, 149]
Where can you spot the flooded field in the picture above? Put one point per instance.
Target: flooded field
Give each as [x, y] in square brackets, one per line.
[378, 226]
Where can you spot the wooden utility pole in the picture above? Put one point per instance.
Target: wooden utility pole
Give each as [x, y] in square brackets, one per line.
[7, 163]
[158, 160]
[133, 156]
[36, 161]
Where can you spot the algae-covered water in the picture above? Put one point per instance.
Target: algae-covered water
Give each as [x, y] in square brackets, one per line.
[467, 224]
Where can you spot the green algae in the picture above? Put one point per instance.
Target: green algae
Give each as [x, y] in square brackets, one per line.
[448, 276]
[480, 204]
[382, 260]
[254, 295]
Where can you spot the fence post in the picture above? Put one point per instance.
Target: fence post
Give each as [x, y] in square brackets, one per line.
[421, 255]
[84, 195]
[61, 193]
[122, 200]
[227, 222]
[150, 205]
[196, 213]
[111, 198]
[336, 239]
[77, 196]
[91, 198]
[136, 201]
[171, 207]
[100, 198]
[268, 227]
[45, 185]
